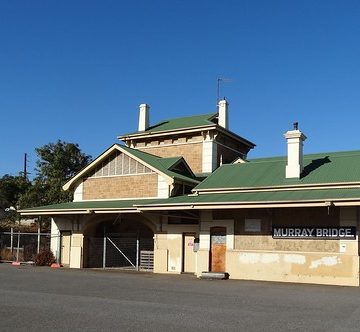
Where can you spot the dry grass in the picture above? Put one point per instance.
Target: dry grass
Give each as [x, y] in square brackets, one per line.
[7, 255]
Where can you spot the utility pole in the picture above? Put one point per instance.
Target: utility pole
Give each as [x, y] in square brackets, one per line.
[25, 166]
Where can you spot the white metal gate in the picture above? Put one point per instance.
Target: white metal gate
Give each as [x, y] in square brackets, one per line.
[121, 251]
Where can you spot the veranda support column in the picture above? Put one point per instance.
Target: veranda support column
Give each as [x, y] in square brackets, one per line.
[104, 249]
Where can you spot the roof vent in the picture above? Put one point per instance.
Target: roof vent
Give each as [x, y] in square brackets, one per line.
[295, 139]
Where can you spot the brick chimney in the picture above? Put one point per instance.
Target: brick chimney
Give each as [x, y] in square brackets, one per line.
[144, 117]
[223, 119]
[295, 139]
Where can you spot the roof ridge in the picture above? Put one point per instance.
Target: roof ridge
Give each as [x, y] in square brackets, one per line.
[178, 123]
[335, 153]
[308, 155]
[190, 116]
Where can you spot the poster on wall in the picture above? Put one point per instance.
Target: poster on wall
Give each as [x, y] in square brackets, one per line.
[325, 233]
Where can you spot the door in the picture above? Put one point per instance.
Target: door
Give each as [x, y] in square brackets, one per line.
[65, 248]
[188, 251]
[218, 249]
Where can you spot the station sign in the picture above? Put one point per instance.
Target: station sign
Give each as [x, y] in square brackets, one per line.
[325, 233]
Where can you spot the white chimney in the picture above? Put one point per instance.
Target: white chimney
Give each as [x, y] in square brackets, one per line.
[144, 117]
[295, 139]
[223, 114]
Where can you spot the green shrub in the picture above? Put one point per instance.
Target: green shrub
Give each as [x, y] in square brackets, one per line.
[44, 258]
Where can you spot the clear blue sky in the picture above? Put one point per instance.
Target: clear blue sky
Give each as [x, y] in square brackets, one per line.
[77, 70]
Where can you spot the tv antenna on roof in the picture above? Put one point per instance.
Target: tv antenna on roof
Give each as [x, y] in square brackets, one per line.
[219, 80]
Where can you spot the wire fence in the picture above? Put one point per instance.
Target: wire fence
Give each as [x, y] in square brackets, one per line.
[22, 247]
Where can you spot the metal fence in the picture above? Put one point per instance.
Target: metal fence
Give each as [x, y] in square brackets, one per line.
[22, 247]
[111, 251]
[120, 252]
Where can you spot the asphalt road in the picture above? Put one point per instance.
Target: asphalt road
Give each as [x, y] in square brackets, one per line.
[44, 299]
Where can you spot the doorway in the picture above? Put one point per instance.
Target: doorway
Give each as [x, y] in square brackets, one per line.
[188, 253]
[65, 248]
[218, 249]
[126, 244]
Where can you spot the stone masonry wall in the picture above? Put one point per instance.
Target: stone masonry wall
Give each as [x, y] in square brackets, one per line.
[192, 153]
[281, 217]
[131, 186]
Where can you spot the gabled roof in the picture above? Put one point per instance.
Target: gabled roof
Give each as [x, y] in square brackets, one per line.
[187, 124]
[157, 164]
[162, 164]
[319, 169]
[178, 124]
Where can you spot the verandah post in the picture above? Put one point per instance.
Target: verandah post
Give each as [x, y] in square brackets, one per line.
[104, 249]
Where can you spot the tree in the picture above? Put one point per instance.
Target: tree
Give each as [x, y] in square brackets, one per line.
[11, 189]
[57, 163]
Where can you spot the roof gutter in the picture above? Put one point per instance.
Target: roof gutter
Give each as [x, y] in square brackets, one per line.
[251, 205]
[53, 212]
[166, 132]
[298, 187]
[78, 212]
[198, 206]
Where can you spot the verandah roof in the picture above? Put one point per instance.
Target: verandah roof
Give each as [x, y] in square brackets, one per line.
[323, 168]
[280, 198]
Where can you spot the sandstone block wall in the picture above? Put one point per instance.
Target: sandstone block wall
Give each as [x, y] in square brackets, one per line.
[116, 187]
[192, 153]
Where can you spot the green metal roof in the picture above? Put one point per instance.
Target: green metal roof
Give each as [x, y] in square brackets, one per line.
[324, 168]
[170, 161]
[248, 198]
[162, 164]
[178, 123]
[89, 205]
[264, 197]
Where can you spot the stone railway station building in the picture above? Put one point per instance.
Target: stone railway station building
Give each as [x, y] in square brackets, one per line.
[182, 196]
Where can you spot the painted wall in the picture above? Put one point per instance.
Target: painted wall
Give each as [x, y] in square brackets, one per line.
[60, 224]
[168, 247]
[320, 268]
[250, 256]
[76, 250]
[257, 256]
